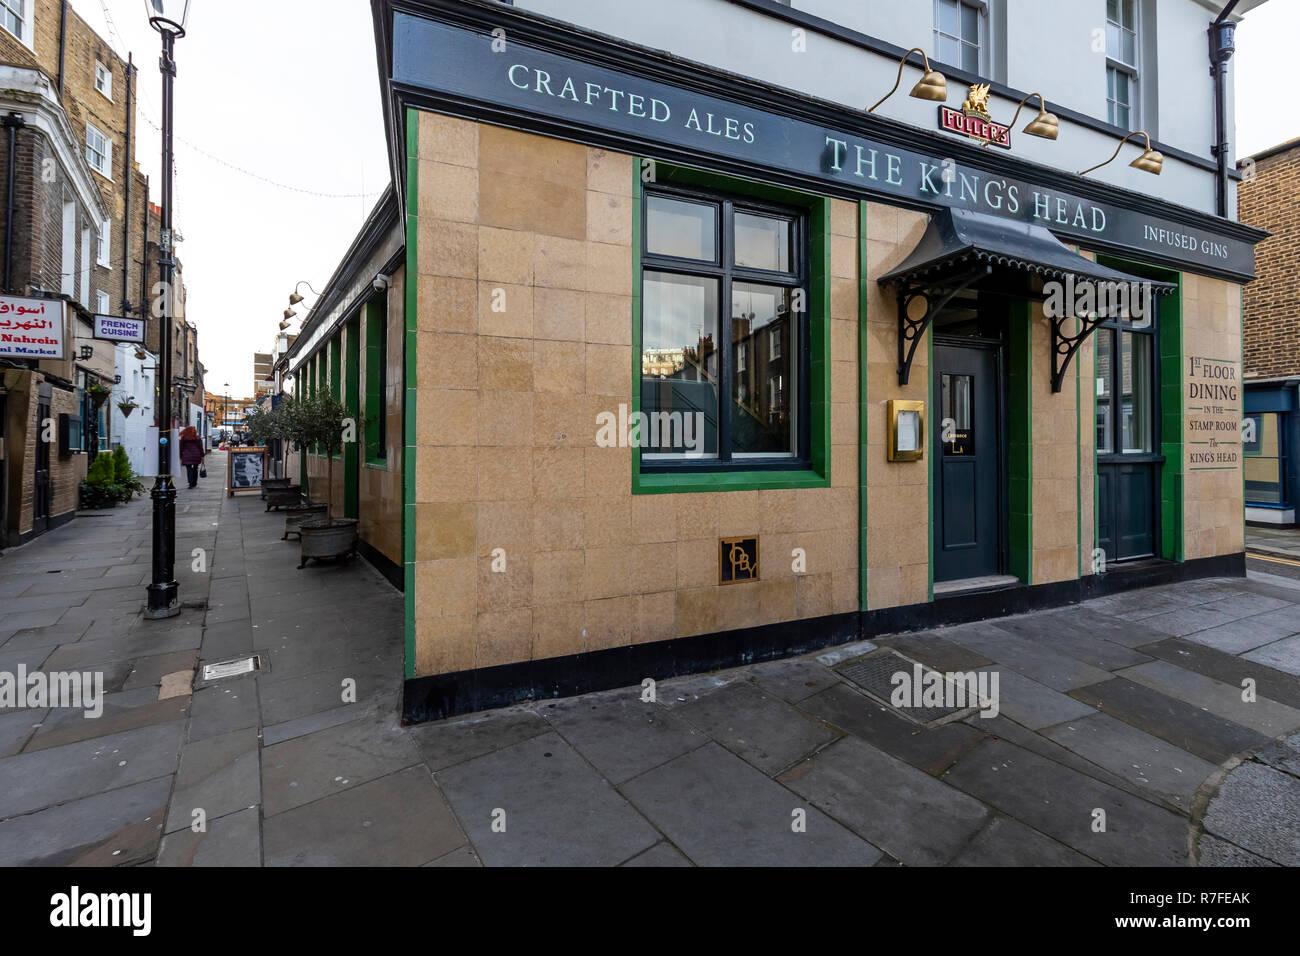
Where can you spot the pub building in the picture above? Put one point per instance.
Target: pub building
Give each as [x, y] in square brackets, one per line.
[684, 342]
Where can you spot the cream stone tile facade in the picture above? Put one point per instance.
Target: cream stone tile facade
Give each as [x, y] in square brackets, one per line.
[529, 541]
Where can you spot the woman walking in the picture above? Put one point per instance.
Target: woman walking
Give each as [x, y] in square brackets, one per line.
[192, 452]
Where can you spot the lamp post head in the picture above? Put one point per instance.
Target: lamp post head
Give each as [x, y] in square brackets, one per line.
[168, 16]
[294, 298]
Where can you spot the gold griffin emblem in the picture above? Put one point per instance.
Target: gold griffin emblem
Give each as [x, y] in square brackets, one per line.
[977, 102]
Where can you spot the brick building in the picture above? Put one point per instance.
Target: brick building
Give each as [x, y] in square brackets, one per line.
[1269, 197]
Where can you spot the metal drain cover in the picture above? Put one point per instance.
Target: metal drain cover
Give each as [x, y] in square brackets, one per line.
[874, 675]
[222, 669]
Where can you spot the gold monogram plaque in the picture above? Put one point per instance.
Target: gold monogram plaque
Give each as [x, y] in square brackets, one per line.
[737, 560]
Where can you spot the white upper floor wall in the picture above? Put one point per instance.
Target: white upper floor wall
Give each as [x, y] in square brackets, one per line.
[1055, 47]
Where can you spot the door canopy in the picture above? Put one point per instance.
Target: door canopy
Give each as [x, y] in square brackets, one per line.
[960, 247]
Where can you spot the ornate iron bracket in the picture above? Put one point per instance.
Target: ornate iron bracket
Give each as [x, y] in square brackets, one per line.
[1065, 346]
[911, 330]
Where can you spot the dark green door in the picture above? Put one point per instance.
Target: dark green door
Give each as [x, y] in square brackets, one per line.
[1128, 467]
[968, 457]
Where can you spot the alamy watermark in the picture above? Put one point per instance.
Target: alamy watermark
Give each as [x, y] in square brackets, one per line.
[73, 690]
[675, 431]
[953, 689]
[1106, 300]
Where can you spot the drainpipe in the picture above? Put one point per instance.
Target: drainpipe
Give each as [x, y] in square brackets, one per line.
[13, 122]
[126, 219]
[1221, 49]
[144, 263]
[63, 43]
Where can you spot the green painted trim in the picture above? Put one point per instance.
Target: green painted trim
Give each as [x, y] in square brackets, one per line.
[863, 406]
[661, 483]
[352, 401]
[933, 469]
[1241, 377]
[637, 166]
[1078, 464]
[409, 384]
[819, 346]
[1170, 369]
[375, 324]
[1096, 483]
[1020, 452]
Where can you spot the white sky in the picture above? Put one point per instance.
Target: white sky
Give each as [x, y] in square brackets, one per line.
[289, 90]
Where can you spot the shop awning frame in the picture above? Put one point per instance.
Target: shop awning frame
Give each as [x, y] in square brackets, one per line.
[960, 247]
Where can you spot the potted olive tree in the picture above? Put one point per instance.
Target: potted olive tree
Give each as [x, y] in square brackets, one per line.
[298, 506]
[323, 421]
[264, 427]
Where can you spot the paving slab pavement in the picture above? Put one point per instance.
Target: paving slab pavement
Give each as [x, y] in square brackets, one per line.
[1130, 704]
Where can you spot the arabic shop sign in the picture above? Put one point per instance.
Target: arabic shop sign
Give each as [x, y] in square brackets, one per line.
[32, 328]
[118, 328]
[565, 93]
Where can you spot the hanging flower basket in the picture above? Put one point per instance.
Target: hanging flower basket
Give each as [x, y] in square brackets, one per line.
[127, 408]
[98, 393]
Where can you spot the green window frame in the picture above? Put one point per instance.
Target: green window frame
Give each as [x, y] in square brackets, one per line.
[376, 362]
[336, 374]
[810, 467]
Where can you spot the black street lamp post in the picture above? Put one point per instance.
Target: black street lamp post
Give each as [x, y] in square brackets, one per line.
[168, 18]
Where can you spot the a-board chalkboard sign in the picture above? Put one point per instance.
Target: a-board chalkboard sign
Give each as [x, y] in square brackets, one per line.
[246, 467]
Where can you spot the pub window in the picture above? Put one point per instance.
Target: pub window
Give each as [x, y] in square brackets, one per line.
[1121, 63]
[724, 332]
[376, 346]
[335, 375]
[958, 26]
[1125, 389]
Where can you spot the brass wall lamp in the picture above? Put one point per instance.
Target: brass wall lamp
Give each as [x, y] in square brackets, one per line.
[1150, 161]
[932, 85]
[1045, 124]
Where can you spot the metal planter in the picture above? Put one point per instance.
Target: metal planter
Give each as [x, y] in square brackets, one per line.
[285, 497]
[295, 515]
[322, 538]
[274, 484]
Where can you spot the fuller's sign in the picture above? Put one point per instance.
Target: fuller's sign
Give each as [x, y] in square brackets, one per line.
[973, 119]
[478, 73]
[32, 328]
[976, 127]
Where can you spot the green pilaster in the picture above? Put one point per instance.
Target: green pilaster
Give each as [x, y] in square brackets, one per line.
[1020, 483]
[409, 344]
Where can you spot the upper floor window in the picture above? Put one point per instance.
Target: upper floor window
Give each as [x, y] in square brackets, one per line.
[105, 244]
[958, 29]
[14, 17]
[99, 150]
[1122, 62]
[104, 79]
[102, 302]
